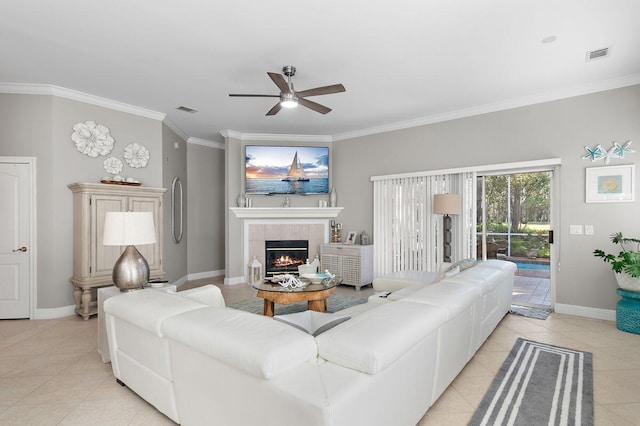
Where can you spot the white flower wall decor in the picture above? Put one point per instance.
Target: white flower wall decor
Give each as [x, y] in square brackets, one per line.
[92, 139]
[136, 155]
[113, 165]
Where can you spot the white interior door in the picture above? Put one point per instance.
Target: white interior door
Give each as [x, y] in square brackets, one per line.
[15, 253]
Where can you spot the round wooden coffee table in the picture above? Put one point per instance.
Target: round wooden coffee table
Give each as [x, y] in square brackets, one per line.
[316, 295]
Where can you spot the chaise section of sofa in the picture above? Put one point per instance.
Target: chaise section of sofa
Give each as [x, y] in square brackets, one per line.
[139, 350]
[225, 365]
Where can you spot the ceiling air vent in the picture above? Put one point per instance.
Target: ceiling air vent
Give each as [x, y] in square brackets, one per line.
[598, 54]
[187, 109]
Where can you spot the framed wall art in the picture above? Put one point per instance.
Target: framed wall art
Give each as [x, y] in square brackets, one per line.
[610, 184]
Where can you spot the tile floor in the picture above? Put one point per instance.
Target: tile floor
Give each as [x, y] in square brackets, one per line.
[532, 290]
[51, 373]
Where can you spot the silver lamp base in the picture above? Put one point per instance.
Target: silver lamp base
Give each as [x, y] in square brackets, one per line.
[131, 270]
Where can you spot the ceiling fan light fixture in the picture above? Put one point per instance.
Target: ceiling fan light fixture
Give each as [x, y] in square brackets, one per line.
[289, 100]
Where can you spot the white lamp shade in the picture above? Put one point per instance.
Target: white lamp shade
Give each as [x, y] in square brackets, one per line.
[128, 228]
[447, 204]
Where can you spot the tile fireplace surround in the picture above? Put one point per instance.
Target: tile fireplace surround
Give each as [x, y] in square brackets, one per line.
[272, 223]
[259, 231]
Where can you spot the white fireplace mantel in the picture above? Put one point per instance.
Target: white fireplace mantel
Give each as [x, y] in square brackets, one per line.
[286, 212]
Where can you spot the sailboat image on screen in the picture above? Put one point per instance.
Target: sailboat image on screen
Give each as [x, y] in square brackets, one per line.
[296, 172]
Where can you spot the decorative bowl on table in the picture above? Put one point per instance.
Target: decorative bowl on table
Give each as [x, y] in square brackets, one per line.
[316, 278]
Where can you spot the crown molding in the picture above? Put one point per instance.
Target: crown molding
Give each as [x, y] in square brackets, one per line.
[177, 130]
[275, 137]
[52, 90]
[555, 95]
[204, 142]
[75, 95]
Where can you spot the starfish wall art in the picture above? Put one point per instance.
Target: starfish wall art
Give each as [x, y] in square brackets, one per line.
[599, 153]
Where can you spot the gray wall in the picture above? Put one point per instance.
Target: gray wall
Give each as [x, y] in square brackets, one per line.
[41, 126]
[25, 131]
[553, 129]
[206, 208]
[174, 164]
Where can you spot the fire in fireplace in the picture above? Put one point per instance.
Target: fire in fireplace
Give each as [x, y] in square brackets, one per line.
[284, 256]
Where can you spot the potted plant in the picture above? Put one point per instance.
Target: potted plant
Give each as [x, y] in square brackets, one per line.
[626, 264]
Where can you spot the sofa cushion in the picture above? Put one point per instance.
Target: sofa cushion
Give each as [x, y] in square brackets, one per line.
[255, 344]
[402, 279]
[503, 265]
[148, 308]
[208, 294]
[405, 292]
[486, 278]
[453, 297]
[375, 339]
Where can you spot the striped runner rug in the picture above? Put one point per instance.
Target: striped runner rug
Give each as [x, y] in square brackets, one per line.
[539, 384]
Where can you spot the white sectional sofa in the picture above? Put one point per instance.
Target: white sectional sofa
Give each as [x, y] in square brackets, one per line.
[201, 363]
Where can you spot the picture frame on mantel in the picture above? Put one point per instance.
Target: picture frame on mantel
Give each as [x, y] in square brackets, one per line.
[351, 237]
[610, 184]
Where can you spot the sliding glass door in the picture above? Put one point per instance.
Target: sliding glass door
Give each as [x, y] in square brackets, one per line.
[514, 223]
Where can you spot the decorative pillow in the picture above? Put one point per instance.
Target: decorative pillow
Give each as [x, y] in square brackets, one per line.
[463, 264]
[454, 268]
[452, 271]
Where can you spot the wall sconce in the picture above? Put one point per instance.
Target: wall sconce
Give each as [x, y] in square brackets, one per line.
[447, 204]
[131, 270]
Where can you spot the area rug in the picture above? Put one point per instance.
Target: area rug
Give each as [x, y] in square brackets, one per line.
[539, 384]
[530, 312]
[336, 302]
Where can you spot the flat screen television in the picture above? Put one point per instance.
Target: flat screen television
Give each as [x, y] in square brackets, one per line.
[286, 169]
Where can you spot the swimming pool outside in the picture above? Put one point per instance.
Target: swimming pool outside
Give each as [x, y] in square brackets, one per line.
[533, 266]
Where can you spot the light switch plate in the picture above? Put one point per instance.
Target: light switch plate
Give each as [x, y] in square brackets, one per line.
[588, 230]
[575, 229]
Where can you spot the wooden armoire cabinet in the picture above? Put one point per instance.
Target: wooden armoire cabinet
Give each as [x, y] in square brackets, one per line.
[92, 261]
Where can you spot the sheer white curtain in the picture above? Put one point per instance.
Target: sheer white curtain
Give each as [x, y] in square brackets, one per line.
[407, 234]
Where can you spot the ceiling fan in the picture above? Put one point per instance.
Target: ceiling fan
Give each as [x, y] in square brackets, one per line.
[289, 98]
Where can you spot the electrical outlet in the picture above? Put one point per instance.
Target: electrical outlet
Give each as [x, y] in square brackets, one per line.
[575, 229]
[588, 230]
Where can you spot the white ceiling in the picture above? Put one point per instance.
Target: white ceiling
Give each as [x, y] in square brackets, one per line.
[402, 61]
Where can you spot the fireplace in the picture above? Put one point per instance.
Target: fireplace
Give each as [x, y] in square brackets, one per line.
[284, 256]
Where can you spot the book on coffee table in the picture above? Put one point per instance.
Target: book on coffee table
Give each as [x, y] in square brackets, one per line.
[312, 322]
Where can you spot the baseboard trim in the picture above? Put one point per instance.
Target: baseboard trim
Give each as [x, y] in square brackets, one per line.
[235, 280]
[208, 274]
[53, 313]
[181, 281]
[585, 311]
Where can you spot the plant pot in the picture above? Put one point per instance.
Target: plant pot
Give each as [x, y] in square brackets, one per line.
[627, 282]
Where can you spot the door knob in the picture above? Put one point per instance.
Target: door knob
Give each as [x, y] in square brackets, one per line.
[22, 249]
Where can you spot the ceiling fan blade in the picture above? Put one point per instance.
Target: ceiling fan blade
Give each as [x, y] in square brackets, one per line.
[279, 80]
[276, 108]
[324, 90]
[253, 96]
[313, 105]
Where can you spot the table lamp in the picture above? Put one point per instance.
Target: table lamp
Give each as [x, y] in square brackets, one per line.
[446, 204]
[131, 270]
